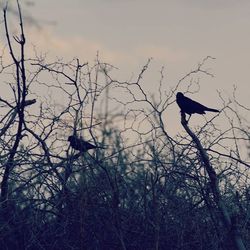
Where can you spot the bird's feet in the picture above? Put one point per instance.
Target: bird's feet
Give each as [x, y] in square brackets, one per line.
[183, 118]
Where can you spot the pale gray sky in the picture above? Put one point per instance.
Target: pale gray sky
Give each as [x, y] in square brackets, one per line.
[177, 34]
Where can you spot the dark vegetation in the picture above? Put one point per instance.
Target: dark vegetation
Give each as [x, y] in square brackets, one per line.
[143, 190]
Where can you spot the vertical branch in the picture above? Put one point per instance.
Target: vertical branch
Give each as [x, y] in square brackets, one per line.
[229, 226]
[21, 41]
[155, 212]
[21, 91]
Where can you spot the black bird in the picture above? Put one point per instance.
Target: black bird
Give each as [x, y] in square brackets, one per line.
[190, 107]
[80, 144]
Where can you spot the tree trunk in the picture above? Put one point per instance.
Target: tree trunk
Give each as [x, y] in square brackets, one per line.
[231, 228]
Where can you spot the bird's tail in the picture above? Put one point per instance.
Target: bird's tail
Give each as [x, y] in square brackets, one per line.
[212, 110]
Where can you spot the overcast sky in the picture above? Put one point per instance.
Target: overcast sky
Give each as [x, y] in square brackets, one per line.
[177, 34]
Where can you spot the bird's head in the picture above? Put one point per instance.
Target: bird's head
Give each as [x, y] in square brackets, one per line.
[179, 95]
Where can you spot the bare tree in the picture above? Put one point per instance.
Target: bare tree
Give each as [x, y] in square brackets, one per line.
[147, 189]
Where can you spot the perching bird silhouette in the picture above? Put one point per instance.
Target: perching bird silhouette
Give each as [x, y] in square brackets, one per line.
[80, 144]
[190, 107]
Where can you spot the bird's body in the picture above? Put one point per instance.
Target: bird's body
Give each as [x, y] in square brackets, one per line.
[80, 144]
[190, 106]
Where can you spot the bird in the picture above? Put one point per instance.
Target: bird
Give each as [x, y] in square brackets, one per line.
[190, 106]
[80, 144]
